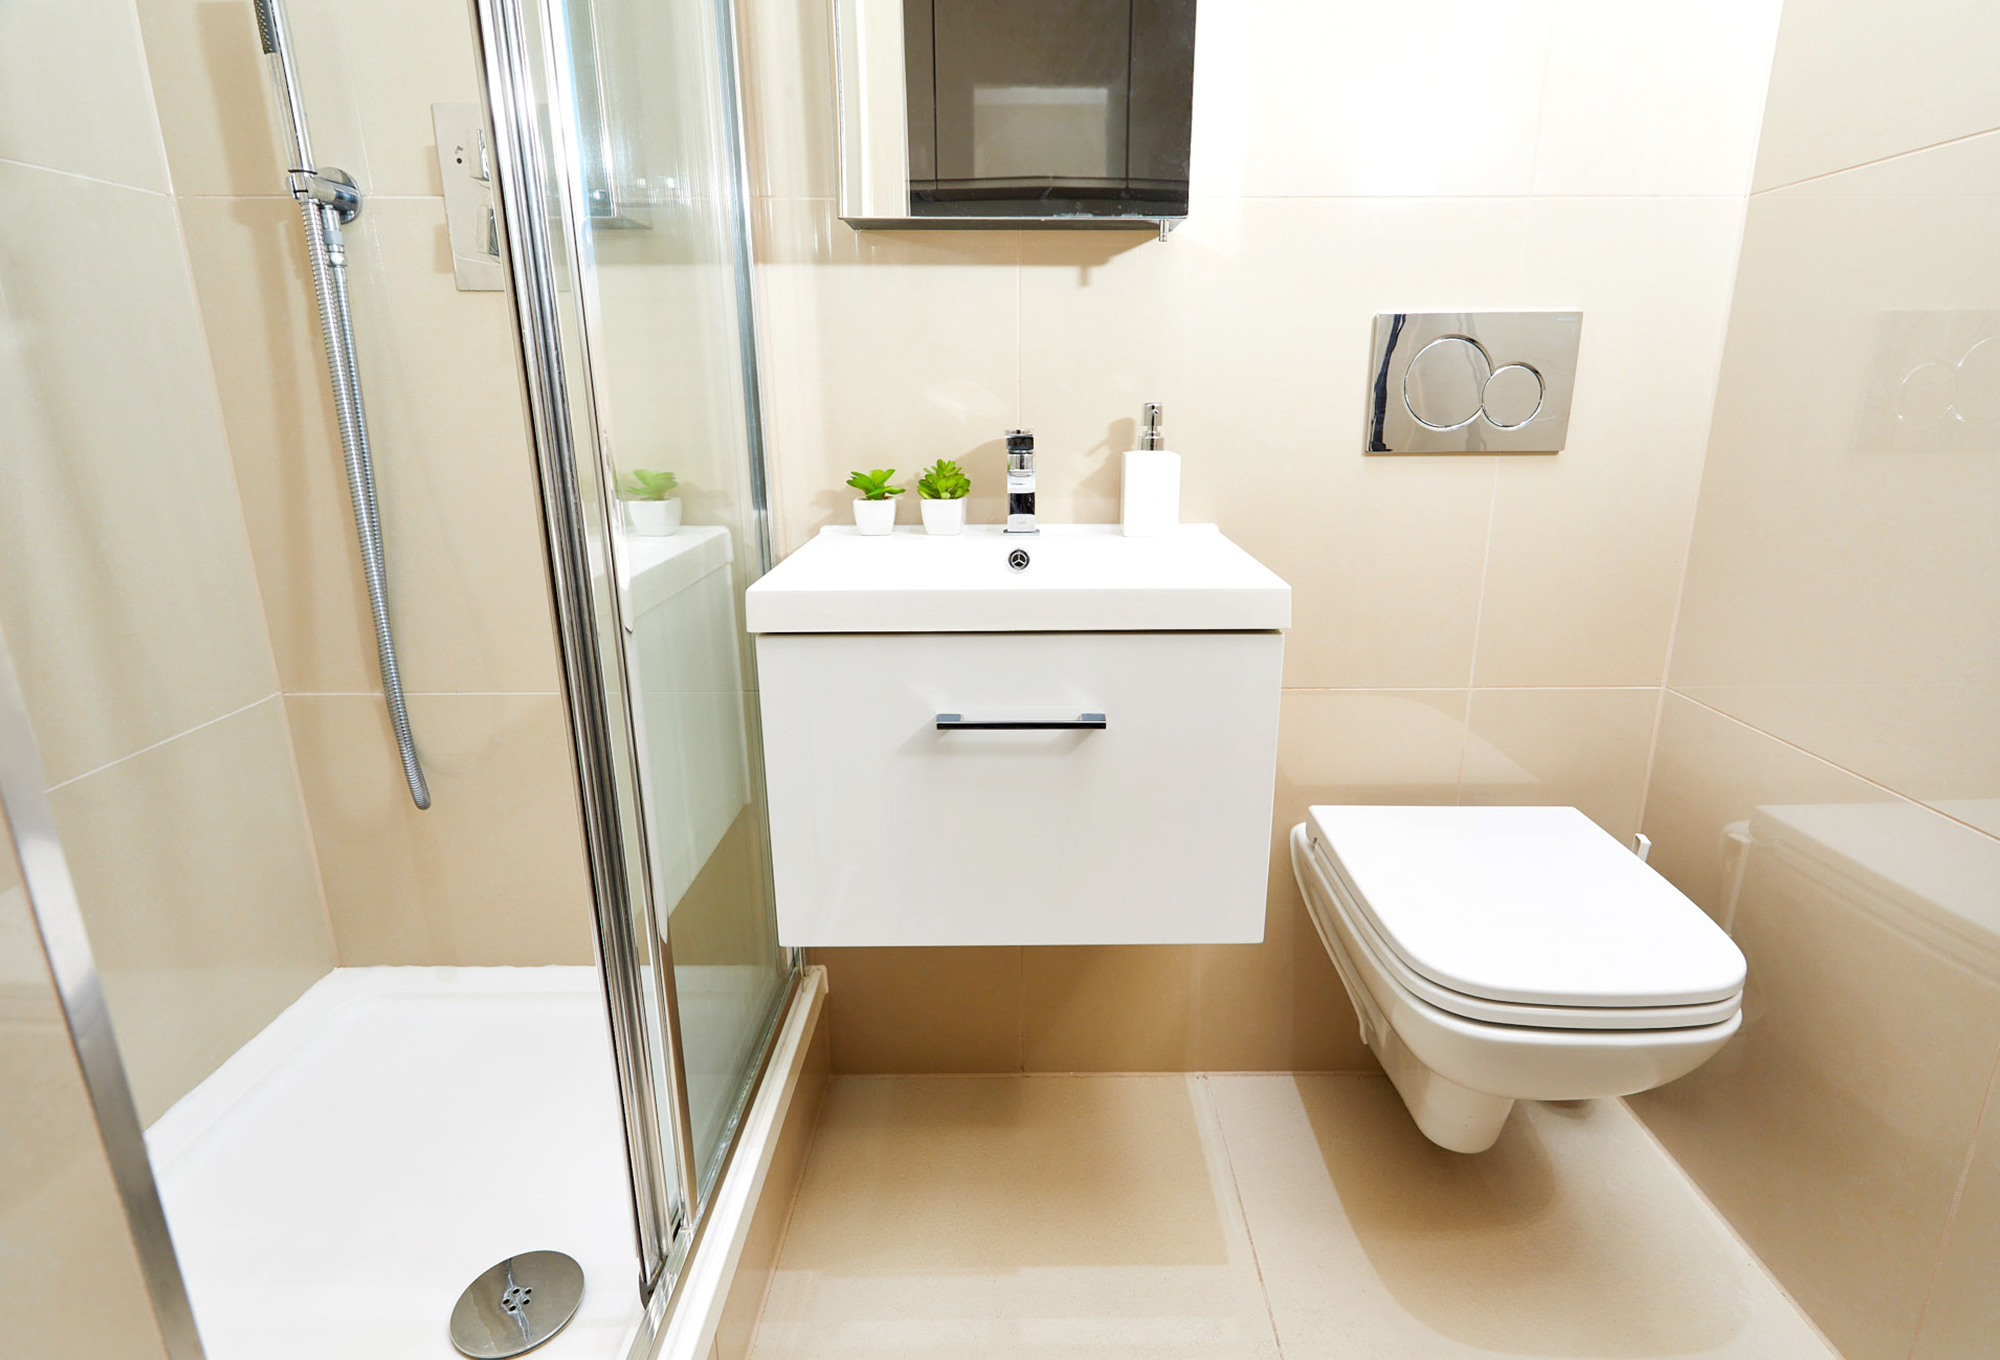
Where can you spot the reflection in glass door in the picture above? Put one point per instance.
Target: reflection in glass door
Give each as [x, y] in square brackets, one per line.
[621, 176]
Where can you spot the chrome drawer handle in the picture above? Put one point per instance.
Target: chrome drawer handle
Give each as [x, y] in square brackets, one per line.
[958, 722]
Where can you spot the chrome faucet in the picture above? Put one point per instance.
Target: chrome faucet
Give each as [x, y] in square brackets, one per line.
[1021, 482]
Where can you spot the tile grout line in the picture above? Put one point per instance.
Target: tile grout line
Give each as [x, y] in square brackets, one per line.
[1693, 520]
[166, 741]
[1478, 618]
[1879, 160]
[1951, 1211]
[1830, 764]
[1242, 1213]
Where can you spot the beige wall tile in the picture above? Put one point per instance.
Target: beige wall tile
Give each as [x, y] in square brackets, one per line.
[369, 73]
[1262, 74]
[1832, 594]
[1583, 748]
[788, 102]
[126, 587]
[1572, 1236]
[73, 92]
[195, 870]
[1963, 1314]
[1588, 544]
[1254, 335]
[1108, 1008]
[1280, 1005]
[456, 475]
[881, 349]
[970, 1217]
[1906, 76]
[493, 873]
[1710, 771]
[924, 1010]
[1832, 1131]
[1654, 99]
[75, 1286]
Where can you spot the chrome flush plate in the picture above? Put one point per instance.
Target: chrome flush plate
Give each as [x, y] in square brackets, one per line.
[1471, 382]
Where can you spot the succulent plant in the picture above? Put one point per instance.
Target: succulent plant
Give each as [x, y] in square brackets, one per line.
[944, 481]
[874, 486]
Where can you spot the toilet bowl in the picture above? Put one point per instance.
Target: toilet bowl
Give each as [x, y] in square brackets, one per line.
[1503, 954]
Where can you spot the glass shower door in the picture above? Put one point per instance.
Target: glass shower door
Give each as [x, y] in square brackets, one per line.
[621, 176]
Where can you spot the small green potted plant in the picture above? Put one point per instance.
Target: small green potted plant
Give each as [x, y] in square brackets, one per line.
[942, 491]
[651, 507]
[874, 508]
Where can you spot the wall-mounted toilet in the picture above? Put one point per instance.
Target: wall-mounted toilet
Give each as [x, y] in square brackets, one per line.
[1497, 954]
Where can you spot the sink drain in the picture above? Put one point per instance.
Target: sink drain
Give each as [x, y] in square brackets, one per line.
[517, 1305]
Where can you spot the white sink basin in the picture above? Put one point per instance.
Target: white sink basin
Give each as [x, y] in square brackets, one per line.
[1079, 578]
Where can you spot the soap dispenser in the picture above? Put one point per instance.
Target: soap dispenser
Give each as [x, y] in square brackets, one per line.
[1151, 501]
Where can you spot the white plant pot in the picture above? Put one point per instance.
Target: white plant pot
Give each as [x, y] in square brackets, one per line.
[875, 517]
[654, 519]
[944, 517]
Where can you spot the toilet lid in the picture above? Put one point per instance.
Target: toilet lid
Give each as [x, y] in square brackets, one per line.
[1529, 904]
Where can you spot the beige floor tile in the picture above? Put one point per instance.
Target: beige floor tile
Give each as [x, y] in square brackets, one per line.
[1048, 1216]
[126, 585]
[195, 871]
[1574, 1236]
[924, 1010]
[493, 873]
[1108, 1008]
[1583, 748]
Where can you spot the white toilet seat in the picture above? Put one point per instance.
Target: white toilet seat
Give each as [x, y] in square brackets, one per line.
[1509, 1012]
[1459, 1075]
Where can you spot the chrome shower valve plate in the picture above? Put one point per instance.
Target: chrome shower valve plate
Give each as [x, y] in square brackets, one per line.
[517, 1305]
[1471, 382]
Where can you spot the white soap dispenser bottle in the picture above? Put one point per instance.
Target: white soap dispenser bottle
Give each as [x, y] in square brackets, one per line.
[1151, 501]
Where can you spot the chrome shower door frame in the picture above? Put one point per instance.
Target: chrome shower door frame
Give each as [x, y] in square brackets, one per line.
[26, 814]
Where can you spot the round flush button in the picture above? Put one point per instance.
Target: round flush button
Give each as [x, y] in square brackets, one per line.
[1445, 381]
[1512, 396]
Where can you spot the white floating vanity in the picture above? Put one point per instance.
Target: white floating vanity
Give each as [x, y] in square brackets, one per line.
[1074, 746]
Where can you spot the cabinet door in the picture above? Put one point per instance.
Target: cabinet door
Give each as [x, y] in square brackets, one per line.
[890, 830]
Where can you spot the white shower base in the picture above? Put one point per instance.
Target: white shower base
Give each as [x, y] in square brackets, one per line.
[335, 1185]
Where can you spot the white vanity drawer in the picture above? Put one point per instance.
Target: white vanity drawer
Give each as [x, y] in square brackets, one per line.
[1154, 829]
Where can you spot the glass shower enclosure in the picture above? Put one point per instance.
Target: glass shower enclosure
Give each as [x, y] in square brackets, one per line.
[621, 178]
[250, 1107]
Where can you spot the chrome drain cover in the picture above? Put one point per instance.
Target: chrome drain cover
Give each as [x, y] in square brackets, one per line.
[517, 1305]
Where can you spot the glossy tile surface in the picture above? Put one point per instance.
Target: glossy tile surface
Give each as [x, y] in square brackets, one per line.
[129, 598]
[491, 874]
[368, 71]
[977, 1216]
[1582, 748]
[454, 469]
[73, 93]
[1573, 1236]
[1906, 76]
[195, 872]
[1881, 433]
[1834, 1129]
[1294, 1215]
